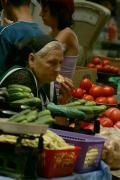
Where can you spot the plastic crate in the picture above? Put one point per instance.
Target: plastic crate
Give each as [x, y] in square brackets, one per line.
[103, 78]
[91, 149]
[56, 163]
[18, 161]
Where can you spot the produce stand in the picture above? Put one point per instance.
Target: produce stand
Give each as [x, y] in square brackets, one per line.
[21, 162]
[18, 159]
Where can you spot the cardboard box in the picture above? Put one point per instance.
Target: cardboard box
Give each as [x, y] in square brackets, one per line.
[82, 72]
[115, 62]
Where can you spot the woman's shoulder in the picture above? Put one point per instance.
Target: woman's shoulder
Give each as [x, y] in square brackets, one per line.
[66, 33]
[68, 37]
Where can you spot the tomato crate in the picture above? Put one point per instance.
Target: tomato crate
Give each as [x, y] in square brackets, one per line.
[57, 163]
[103, 77]
[90, 149]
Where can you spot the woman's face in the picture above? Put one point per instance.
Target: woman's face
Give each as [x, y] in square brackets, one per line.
[47, 68]
[47, 18]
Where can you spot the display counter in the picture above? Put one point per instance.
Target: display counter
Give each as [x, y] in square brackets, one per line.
[102, 174]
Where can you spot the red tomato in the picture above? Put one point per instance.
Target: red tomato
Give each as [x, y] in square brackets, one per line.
[117, 124]
[114, 70]
[96, 91]
[107, 68]
[115, 115]
[99, 67]
[106, 62]
[88, 97]
[96, 60]
[77, 93]
[86, 125]
[108, 91]
[90, 65]
[86, 84]
[111, 100]
[106, 122]
[101, 100]
[109, 111]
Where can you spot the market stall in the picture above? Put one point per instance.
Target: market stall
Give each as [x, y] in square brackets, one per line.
[17, 140]
[24, 126]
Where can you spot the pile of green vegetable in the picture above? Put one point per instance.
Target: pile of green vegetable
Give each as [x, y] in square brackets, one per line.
[32, 116]
[22, 95]
[80, 109]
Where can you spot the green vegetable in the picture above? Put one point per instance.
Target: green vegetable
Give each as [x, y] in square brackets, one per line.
[70, 112]
[15, 86]
[19, 95]
[18, 118]
[44, 120]
[32, 116]
[44, 113]
[99, 108]
[90, 103]
[33, 101]
[15, 90]
[76, 103]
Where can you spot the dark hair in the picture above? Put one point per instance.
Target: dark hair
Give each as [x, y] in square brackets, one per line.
[19, 2]
[19, 52]
[61, 9]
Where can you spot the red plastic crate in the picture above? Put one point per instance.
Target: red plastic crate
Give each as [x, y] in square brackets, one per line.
[90, 149]
[58, 163]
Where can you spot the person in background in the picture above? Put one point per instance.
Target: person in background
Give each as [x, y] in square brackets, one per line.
[21, 26]
[111, 26]
[57, 14]
[41, 62]
[110, 31]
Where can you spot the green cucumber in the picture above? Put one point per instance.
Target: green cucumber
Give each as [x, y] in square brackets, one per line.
[62, 110]
[25, 88]
[44, 113]
[90, 103]
[44, 120]
[19, 95]
[32, 116]
[18, 118]
[99, 108]
[32, 102]
[87, 110]
[14, 90]
[76, 103]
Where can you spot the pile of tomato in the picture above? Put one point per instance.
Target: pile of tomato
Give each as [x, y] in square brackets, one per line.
[110, 117]
[101, 94]
[103, 65]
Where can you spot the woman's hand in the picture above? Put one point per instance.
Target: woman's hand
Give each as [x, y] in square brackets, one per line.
[65, 91]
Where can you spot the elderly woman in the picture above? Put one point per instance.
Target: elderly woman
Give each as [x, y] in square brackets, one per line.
[38, 63]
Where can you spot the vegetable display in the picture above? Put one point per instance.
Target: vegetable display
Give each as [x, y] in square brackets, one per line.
[111, 149]
[102, 94]
[21, 95]
[78, 109]
[32, 116]
[110, 117]
[103, 64]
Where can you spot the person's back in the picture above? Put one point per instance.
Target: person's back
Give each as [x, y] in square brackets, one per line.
[21, 28]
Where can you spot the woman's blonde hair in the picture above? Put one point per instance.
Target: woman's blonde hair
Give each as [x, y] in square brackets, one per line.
[50, 46]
